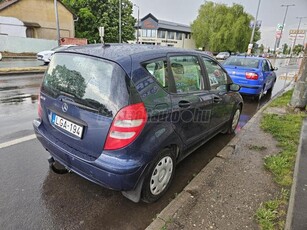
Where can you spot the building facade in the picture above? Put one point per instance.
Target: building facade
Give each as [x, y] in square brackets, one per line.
[38, 16]
[153, 31]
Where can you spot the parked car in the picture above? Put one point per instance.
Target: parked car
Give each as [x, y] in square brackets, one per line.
[223, 55]
[208, 53]
[46, 55]
[123, 115]
[255, 75]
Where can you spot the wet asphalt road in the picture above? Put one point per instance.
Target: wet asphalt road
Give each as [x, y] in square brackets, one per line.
[32, 197]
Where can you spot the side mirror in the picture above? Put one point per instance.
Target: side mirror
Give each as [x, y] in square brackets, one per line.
[234, 87]
[275, 68]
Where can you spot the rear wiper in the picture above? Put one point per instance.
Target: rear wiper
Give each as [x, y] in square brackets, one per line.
[78, 104]
[67, 94]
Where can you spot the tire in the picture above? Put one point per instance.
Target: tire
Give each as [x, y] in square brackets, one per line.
[271, 89]
[234, 121]
[159, 176]
[260, 95]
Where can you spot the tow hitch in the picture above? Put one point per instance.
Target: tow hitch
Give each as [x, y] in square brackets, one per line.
[56, 166]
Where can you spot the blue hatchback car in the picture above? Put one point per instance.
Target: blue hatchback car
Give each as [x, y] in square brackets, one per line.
[123, 115]
[255, 75]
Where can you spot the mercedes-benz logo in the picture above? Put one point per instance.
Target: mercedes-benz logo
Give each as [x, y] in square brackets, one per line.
[64, 107]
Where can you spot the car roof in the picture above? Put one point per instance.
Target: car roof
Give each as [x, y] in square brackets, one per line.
[123, 53]
[117, 51]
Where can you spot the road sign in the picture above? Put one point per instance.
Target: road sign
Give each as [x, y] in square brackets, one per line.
[280, 27]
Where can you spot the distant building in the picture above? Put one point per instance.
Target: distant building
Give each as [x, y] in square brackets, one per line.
[154, 31]
[38, 18]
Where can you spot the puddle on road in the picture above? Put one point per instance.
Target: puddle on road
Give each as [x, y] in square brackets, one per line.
[21, 98]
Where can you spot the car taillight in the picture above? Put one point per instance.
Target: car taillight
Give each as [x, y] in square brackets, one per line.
[39, 107]
[126, 126]
[252, 76]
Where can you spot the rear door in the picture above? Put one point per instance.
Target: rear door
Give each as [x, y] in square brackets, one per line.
[268, 74]
[191, 104]
[80, 95]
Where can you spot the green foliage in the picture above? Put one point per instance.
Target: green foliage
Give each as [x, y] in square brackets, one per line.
[93, 14]
[286, 49]
[219, 27]
[271, 213]
[286, 130]
[298, 48]
[282, 101]
[261, 48]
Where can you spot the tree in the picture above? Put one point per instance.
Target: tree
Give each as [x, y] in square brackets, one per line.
[285, 49]
[219, 27]
[93, 14]
[298, 48]
[299, 96]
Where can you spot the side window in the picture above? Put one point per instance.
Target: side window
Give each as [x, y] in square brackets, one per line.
[265, 66]
[217, 76]
[187, 73]
[270, 65]
[158, 70]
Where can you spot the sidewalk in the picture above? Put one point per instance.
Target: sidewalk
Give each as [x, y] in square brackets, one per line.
[228, 191]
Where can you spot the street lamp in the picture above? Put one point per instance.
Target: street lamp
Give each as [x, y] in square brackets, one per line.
[57, 21]
[283, 25]
[250, 46]
[137, 32]
[120, 22]
[298, 28]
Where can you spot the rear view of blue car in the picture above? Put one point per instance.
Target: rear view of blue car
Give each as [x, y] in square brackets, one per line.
[123, 116]
[255, 75]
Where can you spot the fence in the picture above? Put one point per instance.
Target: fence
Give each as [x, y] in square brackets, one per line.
[25, 45]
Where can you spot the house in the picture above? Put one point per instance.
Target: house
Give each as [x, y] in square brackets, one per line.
[153, 31]
[38, 16]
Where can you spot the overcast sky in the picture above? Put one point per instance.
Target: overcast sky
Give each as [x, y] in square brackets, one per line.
[270, 13]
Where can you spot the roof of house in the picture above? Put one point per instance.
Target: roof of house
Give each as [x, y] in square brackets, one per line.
[162, 24]
[7, 3]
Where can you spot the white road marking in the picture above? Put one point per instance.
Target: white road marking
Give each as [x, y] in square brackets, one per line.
[17, 141]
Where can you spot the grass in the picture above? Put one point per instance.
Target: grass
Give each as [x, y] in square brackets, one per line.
[286, 130]
[270, 214]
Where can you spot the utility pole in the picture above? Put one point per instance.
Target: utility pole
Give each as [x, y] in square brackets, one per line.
[299, 96]
[137, 32]
[57, 21]
[250, 46]
[120, 22]
[298, 28]
[277, 41]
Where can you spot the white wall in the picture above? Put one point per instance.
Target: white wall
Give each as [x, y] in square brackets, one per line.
[23, 45]
[12, 27]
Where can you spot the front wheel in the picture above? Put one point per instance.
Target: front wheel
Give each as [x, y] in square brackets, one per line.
[159, 177]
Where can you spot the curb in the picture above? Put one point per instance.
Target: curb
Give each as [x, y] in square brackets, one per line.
[8, 71]
[186, 196]
[294, 184]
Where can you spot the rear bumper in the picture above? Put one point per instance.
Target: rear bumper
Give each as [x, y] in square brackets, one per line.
[251, 89]
[106, 171]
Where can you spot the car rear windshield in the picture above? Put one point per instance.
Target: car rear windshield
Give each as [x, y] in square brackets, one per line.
[244, 62]
[94, 84]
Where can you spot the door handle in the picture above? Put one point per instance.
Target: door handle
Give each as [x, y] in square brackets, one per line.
[217, 99]
[184, 104]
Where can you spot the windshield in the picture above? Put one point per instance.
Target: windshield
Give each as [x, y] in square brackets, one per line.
[244, 62]
[95, 83]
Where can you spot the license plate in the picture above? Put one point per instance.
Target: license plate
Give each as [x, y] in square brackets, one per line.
[67, 125]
